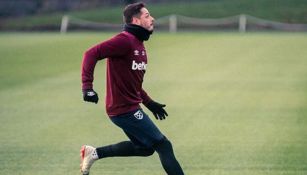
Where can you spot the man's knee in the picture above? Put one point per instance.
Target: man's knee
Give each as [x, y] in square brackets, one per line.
[149, 152]
[163, 145]
[146, 151]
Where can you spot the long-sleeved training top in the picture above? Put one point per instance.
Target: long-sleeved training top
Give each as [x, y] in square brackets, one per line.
[126, 66]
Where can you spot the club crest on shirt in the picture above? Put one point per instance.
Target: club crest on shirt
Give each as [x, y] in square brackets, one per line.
[138, 115]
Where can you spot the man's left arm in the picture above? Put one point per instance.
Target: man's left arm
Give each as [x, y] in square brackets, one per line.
[156, 108]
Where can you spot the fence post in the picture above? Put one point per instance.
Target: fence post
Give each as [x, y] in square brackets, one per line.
[242, 23]
[173, 24]
[64, 24]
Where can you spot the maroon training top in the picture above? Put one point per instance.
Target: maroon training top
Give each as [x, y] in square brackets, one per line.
[126, 66]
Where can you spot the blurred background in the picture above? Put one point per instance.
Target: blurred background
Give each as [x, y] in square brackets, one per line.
[231, 72]
[47, 15]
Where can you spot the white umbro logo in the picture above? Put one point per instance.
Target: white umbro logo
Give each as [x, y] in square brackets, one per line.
[138, 115]
[136, 52]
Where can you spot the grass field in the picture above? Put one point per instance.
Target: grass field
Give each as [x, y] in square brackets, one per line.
[237, 104]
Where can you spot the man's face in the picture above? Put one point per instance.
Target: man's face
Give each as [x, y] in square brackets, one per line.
[145, 20]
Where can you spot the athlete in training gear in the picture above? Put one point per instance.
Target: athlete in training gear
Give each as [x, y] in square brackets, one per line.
[126, 65]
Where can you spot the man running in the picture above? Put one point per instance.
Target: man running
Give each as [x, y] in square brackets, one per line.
[126, 65]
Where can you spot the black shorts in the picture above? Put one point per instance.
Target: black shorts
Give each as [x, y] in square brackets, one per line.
[139, 128]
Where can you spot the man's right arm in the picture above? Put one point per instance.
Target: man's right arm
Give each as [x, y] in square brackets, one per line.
[114, 47]
[90, 58]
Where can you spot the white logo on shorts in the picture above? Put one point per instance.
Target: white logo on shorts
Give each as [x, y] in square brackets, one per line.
[138, 115]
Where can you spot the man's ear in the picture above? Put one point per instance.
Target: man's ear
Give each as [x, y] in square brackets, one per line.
[136, 21]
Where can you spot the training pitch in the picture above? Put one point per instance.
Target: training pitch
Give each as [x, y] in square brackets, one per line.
[236, 104]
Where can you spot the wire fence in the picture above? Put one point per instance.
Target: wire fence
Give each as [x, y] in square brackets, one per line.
[176, 23]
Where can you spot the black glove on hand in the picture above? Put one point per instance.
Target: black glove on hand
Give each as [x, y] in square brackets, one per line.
[90, 95]
[157, 110]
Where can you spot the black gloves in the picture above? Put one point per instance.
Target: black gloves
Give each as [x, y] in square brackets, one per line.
[90, 95]
[157, 110]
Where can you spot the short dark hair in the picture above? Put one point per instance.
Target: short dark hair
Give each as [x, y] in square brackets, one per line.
[132, 10]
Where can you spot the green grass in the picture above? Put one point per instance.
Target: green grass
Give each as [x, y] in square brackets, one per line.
[237, 104]
[290, 11]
